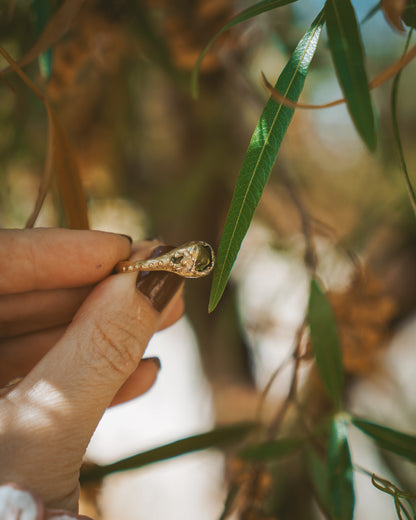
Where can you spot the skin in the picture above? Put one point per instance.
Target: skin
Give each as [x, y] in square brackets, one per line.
[78, 336]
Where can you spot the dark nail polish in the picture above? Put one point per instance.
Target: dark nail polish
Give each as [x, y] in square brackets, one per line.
[127, 236]
[154, 360]
[159, 286]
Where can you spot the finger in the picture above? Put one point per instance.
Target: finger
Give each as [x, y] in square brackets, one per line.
[56, 258]
[20, 354]
[60, 402]
[139, 382]
[36, 310]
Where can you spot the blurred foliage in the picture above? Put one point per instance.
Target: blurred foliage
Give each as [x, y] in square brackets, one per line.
[121, 125]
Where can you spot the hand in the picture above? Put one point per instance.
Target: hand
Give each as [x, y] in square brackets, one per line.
[77, 336]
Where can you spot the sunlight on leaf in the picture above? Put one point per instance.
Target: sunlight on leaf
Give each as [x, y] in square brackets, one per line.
[325, 343]
[260, 158]
[348, 56]
[340, 472]
[397, 442]
[250, 12]
[218, 438]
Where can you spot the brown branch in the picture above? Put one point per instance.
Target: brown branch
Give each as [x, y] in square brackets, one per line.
[384, 76]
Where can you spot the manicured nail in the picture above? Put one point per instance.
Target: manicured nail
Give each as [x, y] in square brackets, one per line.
[159, 286]
[154, 360]
[127, 236]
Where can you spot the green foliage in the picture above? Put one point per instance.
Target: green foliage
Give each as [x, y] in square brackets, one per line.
[271, 450]
[325, 343]
[397, 442]
[42, 11]
[340, 472]
[260, 158]
[396, 130]
[409, 14]
[250, 12]
[348, 56]
[217, 438]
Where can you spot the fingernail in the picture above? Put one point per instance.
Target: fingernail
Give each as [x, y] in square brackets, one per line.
[154, 360]
[127, 236]
[159, 286]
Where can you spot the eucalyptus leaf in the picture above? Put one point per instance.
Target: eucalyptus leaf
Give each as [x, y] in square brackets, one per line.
[325, 343]
[340, 472]
[348, 56]
[271, 450]
[217, 438]
[397, 442]
[260, 158]
[250, 12]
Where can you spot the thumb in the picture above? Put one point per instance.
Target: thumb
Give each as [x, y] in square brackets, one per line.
[49, 417]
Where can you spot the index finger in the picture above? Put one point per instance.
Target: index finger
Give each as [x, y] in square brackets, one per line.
[33, 259]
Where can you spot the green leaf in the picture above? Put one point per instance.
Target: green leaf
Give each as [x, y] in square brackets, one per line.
[348, 56]
[396, 130]
[325, 343]
[42, 12]
[260, 157]
[271, 450]
[409, 14]
[340, 472]
[318, 475]
[250, 12]
[397, 442]
[220, 437]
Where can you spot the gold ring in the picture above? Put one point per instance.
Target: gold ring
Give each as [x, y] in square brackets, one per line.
[192, 260]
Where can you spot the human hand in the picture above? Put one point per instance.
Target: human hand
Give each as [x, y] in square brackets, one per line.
[77, 335]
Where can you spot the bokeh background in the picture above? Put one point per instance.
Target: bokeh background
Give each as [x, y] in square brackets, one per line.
[156, 162]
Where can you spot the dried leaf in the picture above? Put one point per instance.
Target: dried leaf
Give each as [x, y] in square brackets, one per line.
[393, 11]
[363, 312]
[57, 26]
[67, 172]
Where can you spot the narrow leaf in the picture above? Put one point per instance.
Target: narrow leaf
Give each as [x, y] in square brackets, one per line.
[318, 475]
[42, 12]
[397, 442]
[218, 438]
[271, 450]
[325, 343]
[68, 176]
[396, 131]
[348, 56]
[57, 26]
[260, 157]
[250, 12]
[340, 472]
